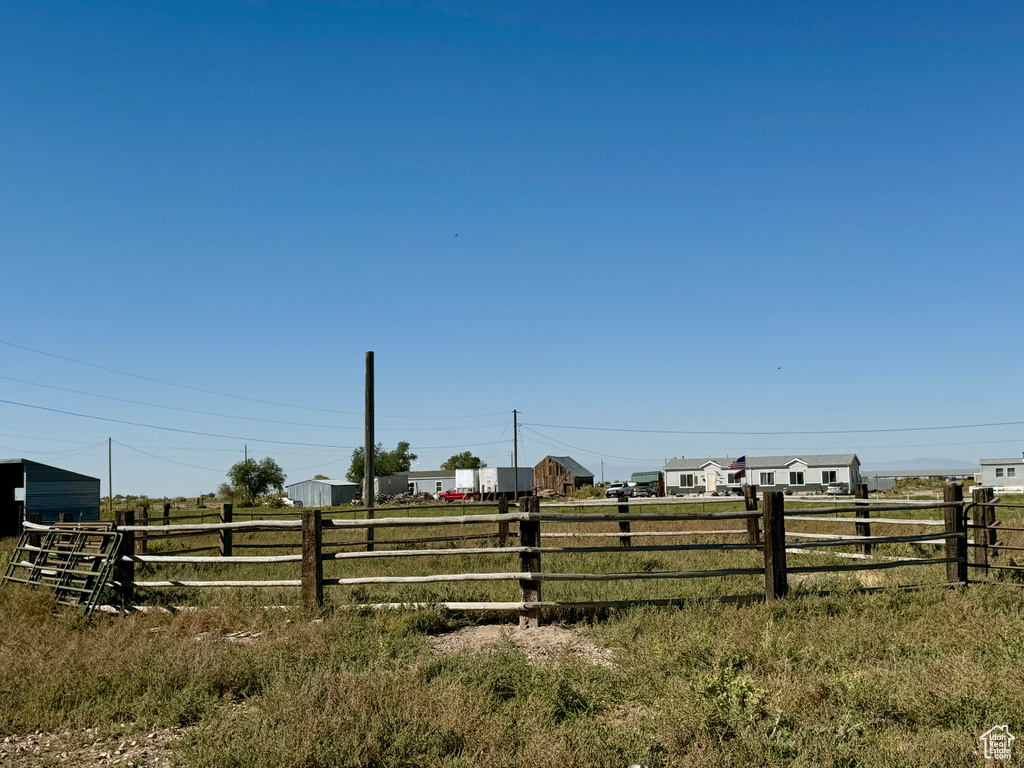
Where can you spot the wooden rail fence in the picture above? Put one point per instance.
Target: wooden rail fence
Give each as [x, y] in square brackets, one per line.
[540, 539]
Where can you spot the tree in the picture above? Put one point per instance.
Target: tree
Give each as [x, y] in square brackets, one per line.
[321, 477]
[464, 460]
[251, 479]
[384, 462]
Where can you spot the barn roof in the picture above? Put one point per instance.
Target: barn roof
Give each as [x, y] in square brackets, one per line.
[577, 469]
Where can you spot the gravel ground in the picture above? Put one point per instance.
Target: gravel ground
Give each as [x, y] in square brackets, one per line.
[89, 747]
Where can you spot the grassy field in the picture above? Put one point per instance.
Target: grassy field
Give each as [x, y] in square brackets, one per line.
[891, 678]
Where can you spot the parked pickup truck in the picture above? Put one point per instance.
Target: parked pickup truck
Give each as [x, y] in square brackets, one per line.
[617, 489]
[458, 494]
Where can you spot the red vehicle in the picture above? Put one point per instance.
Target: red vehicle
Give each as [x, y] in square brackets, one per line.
[458, 494]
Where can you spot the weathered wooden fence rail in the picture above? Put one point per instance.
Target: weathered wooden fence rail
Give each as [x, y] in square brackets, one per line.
[763, 530]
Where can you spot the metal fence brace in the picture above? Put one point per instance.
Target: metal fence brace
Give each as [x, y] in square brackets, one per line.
[72, 560]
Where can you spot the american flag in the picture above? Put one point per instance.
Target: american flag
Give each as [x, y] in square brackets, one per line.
[741, 465]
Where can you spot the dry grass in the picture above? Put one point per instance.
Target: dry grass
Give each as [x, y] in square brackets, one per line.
[848, 679]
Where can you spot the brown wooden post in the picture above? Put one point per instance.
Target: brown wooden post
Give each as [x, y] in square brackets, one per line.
[753, 524]
[860, 491]
[312, 562]
[775, 582]
[124, 572]
[625, 540]
[956, 548]
[167, 513]
[981, 528]
[226, 540]
[142, 540]
[529, 562]
[503, 527]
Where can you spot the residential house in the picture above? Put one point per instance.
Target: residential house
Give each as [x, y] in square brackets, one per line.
[808, 473]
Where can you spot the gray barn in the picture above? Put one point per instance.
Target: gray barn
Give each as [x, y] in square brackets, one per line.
[323, 493]
[28, 488]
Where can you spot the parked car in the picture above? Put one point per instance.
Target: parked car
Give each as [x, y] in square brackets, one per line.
[458, 494]
[291, 502]
[837, 489]
[644, 490]
[617, 489]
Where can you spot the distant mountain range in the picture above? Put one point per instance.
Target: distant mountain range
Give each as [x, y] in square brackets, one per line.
[921, 464]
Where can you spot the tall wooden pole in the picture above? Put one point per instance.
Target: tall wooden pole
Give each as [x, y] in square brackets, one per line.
[515, 452]
[368, 452]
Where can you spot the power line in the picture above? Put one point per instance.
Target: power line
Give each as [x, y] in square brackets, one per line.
[231, 416]
[777, 434]
[585, 450]
[228, 394]
[175, 429]
[170, 461]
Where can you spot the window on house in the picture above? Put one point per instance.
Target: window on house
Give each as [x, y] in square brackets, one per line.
[733, 479]
[438, 486]
[767, 478]
[1011, 471]
[828, 476]
[999, 471]
[686, 481]
[796, 478]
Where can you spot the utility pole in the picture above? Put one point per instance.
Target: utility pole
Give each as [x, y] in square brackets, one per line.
[247, 453]
[602, 470]
[515, 452]
[368, 455]
[110, 477]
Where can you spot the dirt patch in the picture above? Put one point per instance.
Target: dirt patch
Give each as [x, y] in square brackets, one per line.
[71, 749]
[543, 645]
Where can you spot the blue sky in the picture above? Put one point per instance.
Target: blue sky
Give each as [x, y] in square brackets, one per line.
[666, 217]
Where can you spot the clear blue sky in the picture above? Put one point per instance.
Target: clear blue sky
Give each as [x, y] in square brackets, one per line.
[721, 217]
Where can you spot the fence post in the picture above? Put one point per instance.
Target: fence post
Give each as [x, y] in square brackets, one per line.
[167, 513]
[860, 491]
[775, 582]
[991, 533]
[312, 562]
[35, 538]
[142, 540]
[981, 528]
[124, 572]
[503, 526]
[956, 548]
[226, 540]
[625, 540]
[753, 526]
[529, 562]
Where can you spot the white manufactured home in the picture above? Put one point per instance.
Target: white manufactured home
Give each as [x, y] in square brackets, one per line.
[1003, 474]
[808, 473]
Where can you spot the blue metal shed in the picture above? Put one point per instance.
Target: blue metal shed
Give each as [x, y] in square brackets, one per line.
[28, 487]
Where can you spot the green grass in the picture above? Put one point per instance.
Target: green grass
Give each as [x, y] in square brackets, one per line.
[849, 679]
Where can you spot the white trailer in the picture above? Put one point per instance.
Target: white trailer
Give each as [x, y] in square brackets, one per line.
[468, 479]
[501, 481]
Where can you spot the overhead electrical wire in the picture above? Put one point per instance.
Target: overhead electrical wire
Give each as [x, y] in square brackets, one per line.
[585, 450]
[228, 394]
[231, 416]
[175, 429]
[163, 458]
[779, 433]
